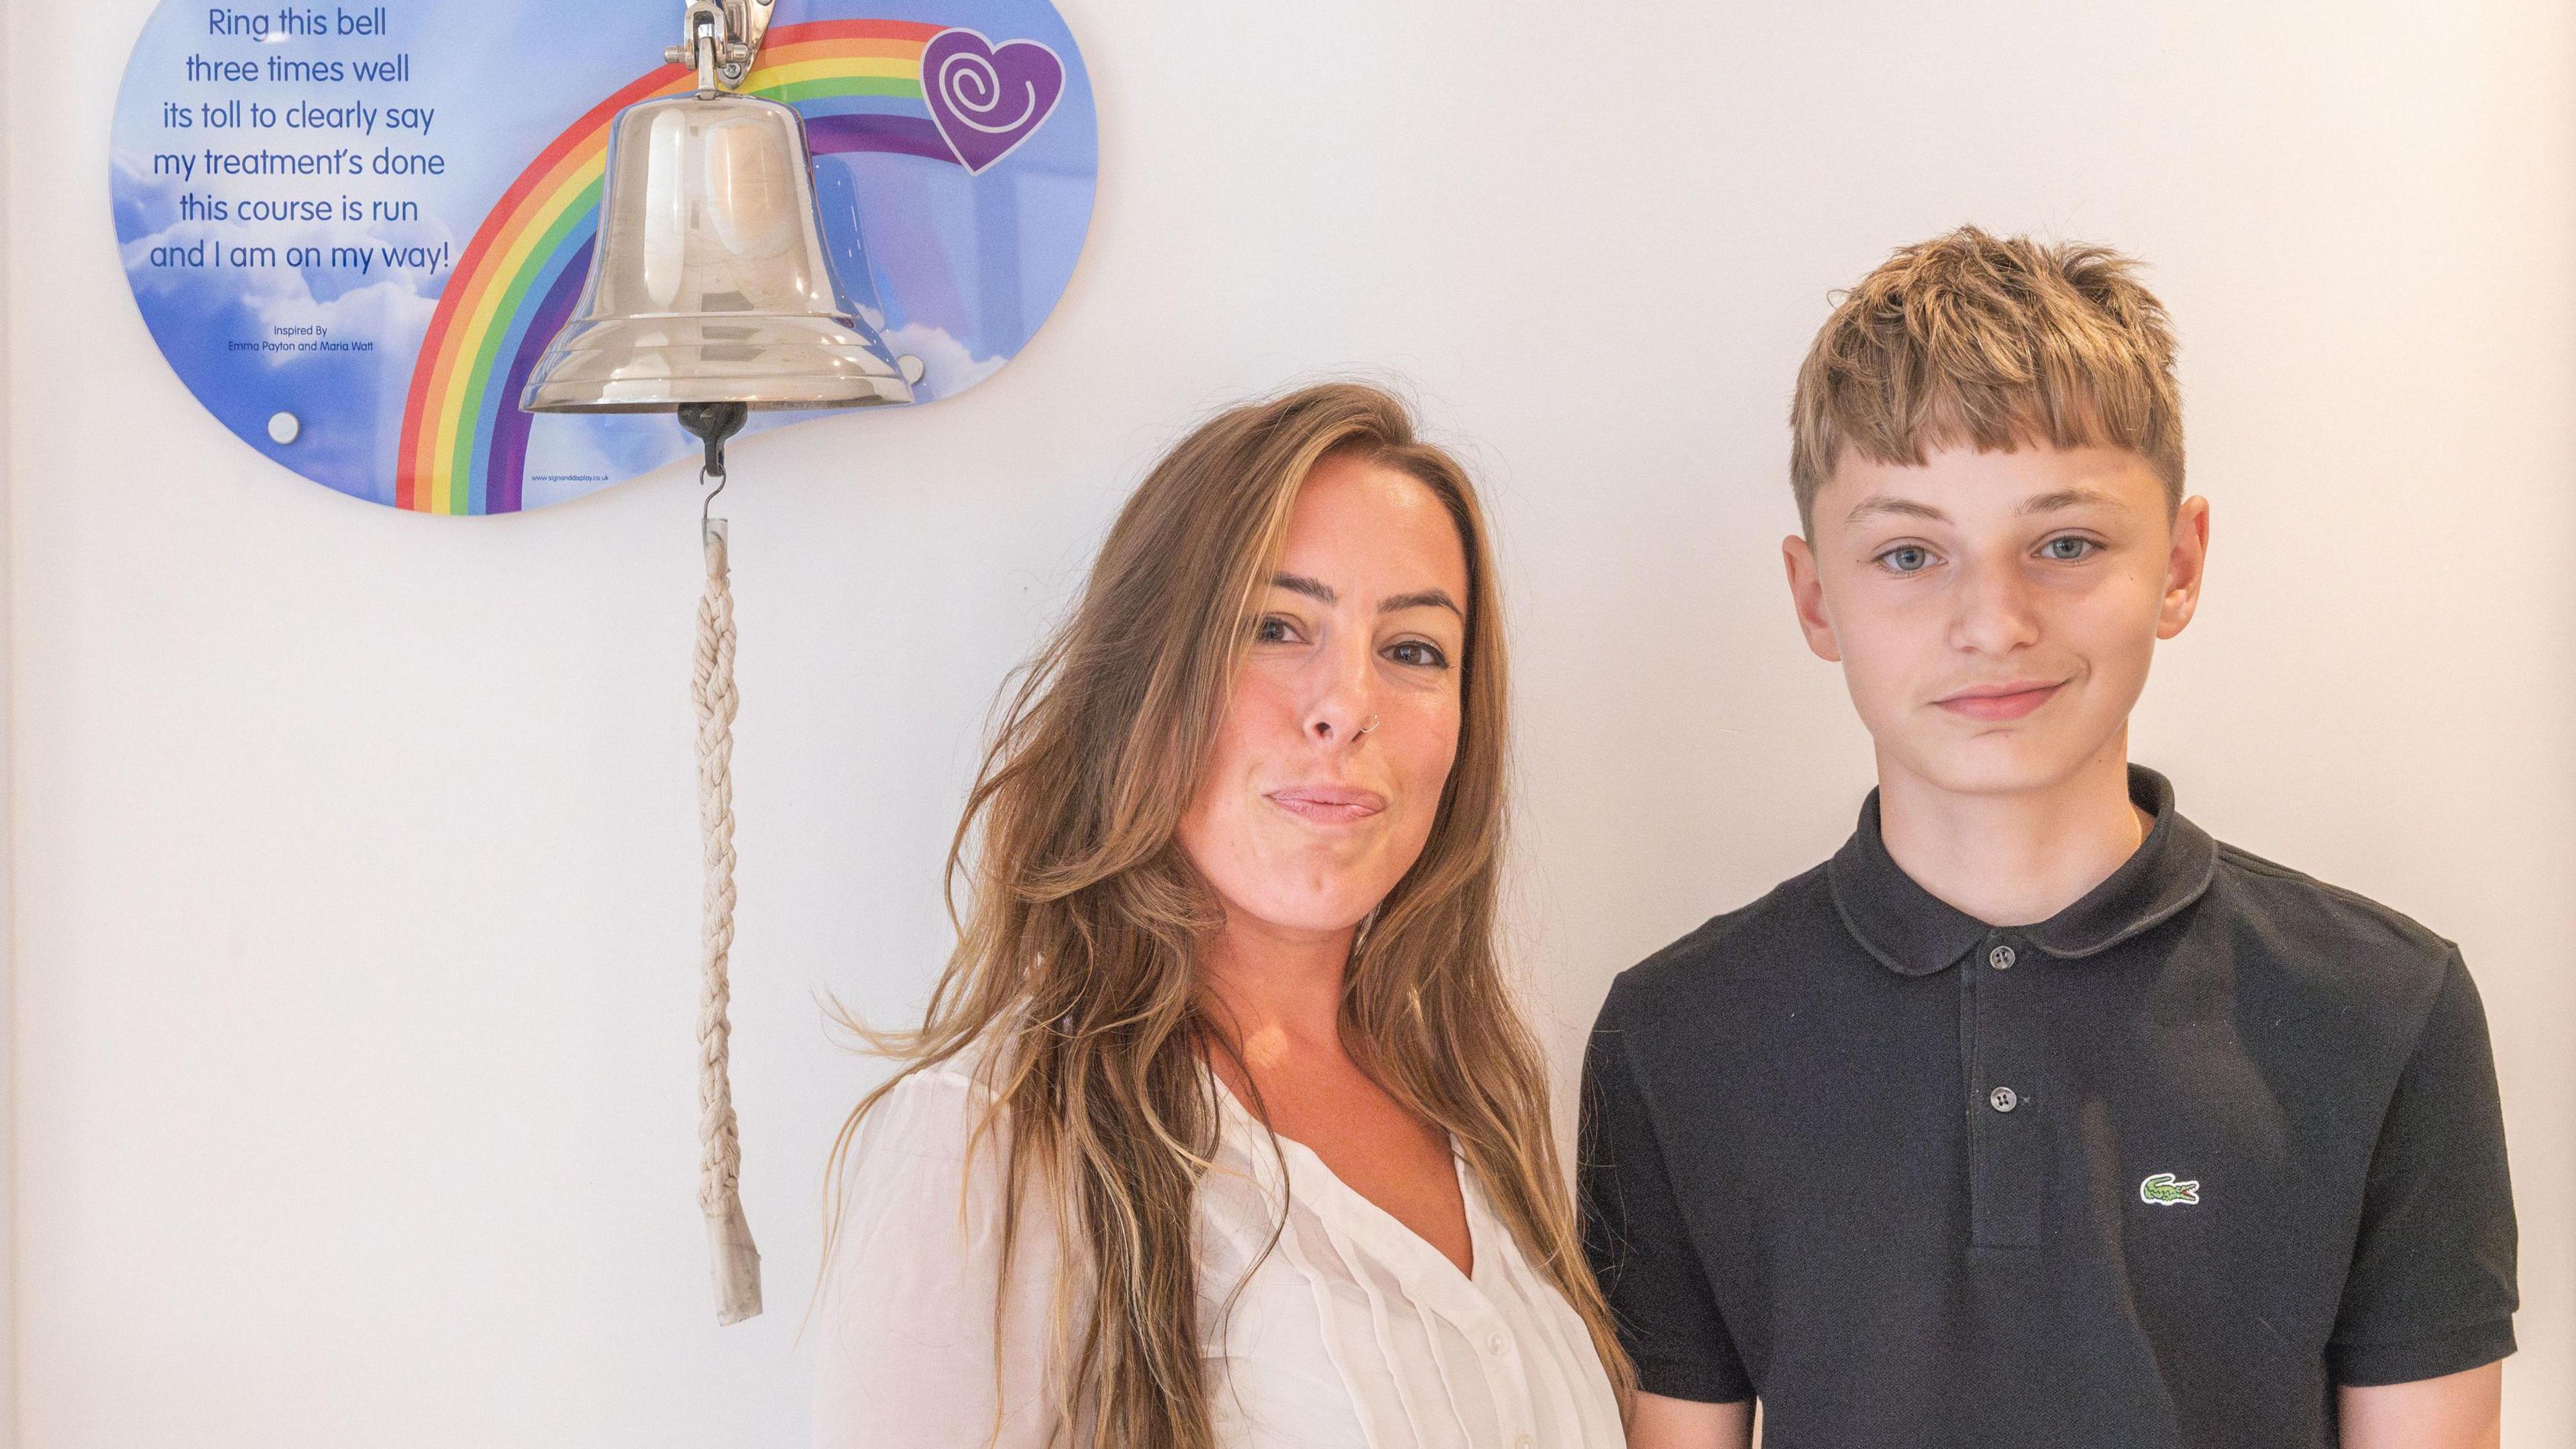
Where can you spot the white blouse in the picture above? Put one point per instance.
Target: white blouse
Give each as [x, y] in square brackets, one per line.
[1351, 1333]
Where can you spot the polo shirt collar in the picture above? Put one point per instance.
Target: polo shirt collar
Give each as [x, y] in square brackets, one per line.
[1914, 933]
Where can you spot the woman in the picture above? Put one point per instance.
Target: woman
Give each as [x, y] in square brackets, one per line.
[1221, 1129]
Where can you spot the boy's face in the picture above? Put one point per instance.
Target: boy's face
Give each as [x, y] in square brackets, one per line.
[1994, 613]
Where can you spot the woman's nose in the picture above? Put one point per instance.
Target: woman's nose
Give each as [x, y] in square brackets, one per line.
[1344, 707]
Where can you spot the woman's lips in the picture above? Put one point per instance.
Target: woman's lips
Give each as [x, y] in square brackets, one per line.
[2000, 702]
[1328, 804]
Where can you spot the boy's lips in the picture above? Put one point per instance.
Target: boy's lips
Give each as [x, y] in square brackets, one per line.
[2000, 701]
[1328, 804]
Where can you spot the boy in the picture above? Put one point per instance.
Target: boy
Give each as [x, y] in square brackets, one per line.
[2035, 1116]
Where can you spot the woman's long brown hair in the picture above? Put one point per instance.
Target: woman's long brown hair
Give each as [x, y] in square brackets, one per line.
[1075, 960]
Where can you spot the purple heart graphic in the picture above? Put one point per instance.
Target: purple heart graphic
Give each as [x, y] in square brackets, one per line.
[985, 98]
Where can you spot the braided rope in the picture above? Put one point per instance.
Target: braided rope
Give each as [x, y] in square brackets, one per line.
[736, 1261]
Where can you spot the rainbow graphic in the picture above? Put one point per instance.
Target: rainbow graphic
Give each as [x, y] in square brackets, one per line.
[463, 448]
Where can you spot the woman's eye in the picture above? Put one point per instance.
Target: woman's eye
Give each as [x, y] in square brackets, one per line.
[1416, 652]
[1273, 630]
[2068, 549]
[1907, 559]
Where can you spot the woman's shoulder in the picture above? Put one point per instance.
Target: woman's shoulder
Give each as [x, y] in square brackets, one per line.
[929, 1158]
[935, 1303]
[935, 1109]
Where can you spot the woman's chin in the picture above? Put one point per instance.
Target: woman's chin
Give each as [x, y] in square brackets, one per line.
[1300, 913]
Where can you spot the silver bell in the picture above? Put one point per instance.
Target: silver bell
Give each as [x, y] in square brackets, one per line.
[710, 282]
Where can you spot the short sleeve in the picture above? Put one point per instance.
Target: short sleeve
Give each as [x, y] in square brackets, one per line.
[908, 1348]
[2431, 1291]
[1635, 1234]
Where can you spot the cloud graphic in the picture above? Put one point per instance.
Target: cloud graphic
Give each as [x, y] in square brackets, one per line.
[949, 367]
[332, 347]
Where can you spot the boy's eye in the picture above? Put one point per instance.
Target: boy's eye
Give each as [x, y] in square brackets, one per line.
[2068, 549]
[1418, 652]
[1907, 558]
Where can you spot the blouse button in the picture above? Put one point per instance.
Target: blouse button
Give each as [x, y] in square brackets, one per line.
[1523, 1442]
[1495, 1343]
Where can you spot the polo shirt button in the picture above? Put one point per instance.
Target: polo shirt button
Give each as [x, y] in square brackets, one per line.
[2004, 1098]
[2001, 958]
[1496, 1343]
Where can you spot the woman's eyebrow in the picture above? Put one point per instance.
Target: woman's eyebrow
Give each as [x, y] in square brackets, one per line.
[1322, 592]
[1422, 599]
[1315, 589]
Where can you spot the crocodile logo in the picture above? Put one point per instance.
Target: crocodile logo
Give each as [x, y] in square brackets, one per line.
[2163, 1191]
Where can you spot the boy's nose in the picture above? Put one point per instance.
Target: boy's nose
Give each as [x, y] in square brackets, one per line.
[1994, 610]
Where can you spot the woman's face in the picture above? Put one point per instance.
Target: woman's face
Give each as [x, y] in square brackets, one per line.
[1329, 763]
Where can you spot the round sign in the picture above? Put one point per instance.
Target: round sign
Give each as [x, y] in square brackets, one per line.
[353, 227]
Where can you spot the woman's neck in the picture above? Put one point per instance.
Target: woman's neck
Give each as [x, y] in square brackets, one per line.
[1277, 992]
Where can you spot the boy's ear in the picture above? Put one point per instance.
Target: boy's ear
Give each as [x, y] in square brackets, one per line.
[1807, 594]
[2185, 563]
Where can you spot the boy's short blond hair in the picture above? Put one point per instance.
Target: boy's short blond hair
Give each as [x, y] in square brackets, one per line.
[1991, 342]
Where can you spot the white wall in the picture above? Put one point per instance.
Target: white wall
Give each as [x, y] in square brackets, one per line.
[354, 852]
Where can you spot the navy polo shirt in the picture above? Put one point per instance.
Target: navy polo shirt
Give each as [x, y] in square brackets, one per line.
[2161, 1170]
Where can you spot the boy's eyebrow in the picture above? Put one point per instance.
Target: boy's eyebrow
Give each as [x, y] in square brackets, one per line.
[1882, 503]
[2044, 503]
[2067, 498]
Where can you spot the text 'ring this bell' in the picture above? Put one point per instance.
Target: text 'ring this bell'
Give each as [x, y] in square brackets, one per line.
[710, 281]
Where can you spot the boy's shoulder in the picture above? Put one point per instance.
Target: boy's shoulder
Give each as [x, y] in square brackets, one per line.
[2324, 939]
[1758, 938]
[2278, 894]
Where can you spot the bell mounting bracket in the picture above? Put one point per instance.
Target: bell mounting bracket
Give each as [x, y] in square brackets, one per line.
[720, 39]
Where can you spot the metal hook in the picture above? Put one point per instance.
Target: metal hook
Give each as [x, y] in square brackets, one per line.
[708, 526]
[712, 423]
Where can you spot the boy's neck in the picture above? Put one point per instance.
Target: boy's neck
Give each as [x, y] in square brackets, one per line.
[2017, 859]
